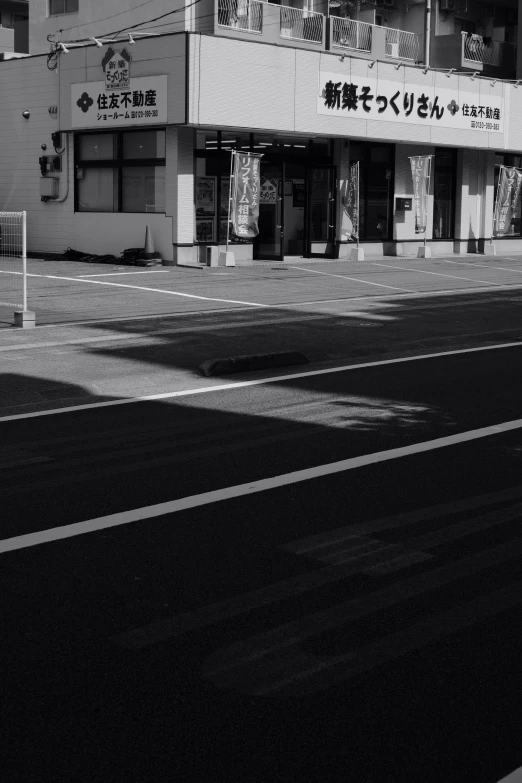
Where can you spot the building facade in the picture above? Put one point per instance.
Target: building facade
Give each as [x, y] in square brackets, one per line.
[148, 121]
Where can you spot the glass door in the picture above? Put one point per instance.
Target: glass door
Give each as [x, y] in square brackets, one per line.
[320, 212]
[268, 245]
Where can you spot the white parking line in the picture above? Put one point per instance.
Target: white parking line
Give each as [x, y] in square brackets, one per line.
[259, 382]
[485, 266]
[141, 272]
[440, 274]
[240, 490]
[153, 290]
[353, 279]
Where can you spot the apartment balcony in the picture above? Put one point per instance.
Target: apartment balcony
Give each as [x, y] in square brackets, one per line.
[379, 43]
[256, 20]
[475, 53]
[271, 23]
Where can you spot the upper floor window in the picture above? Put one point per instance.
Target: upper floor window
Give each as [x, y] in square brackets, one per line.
[63, 7]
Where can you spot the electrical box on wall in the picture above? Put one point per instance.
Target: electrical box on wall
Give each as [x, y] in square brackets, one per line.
[56, 163]
[48, 187]
[403, 204]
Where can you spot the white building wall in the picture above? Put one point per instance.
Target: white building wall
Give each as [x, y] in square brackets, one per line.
[100, 18]
[27, 84]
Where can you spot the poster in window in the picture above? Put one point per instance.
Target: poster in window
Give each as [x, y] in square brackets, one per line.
[299, 194]
[288, 187]
[204, 230]
[268, 191]
[205, 196]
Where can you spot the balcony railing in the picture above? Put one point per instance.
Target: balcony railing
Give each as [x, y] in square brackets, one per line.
[349, 34]
[301, 25]
[499, 54]
[401, 44]
[241, 15]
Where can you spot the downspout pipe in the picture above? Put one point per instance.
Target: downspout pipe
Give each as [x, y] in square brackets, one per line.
[427, 34]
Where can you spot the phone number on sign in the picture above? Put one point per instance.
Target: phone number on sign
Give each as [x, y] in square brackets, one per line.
[485, 125]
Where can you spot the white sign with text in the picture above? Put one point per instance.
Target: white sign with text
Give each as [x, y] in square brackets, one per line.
[143, 103]
[370, 98]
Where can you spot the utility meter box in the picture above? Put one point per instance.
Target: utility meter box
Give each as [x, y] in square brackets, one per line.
[403, 204]
[49, 187]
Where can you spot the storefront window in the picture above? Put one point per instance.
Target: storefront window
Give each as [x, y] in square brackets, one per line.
[444, 166]
[515, 230]
[120, 172]
[375, 189]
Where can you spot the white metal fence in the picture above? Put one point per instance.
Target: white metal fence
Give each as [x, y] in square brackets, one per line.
[241, 15]
[488, 51]
[13, 260]
[401, 44]
[301, 25]
[351, 34]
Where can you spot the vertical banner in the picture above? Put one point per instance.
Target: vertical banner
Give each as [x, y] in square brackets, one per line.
[420, 172]
[508, 193]
[245, 194]
[351, 201]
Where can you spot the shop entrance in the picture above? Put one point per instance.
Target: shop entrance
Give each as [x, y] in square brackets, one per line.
[297, 202]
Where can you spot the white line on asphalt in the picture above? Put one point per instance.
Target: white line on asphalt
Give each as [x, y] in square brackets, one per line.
[240, 490]
[440, 274]
[353, 279]
[145, 288]
[259, 382]
[141, 272]
[484, 266]
[514, 777]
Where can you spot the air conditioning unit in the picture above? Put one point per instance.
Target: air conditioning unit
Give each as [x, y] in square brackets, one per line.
[394, 49]
[447, 5]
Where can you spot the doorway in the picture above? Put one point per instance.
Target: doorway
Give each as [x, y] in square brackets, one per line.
[296, 210]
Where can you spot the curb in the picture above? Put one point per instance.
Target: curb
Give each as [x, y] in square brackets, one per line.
[251, 363]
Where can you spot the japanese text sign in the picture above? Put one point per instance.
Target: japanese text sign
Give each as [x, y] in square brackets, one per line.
[144, 103]
[508, 194]
[365, 97]
[116, 66]
[245, 194]
[351, 200]
[420, 172]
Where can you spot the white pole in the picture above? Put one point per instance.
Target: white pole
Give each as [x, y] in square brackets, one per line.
[24, 259]
[232, 154]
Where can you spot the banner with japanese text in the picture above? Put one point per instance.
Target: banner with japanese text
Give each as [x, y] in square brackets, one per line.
[420, 172]
[245, 194]
[508, 194]
[143, 103]
[371, 98]
[351, 201]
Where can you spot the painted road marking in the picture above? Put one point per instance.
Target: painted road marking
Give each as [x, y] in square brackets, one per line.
[484, 266]
[353, 279]
[212, 614]
[272, 661]
[145, 288]
[514, 777]
[142, 272]
[441, 274]
[250, 488]
[258, 382]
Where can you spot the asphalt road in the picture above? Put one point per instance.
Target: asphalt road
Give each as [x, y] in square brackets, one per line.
[361, 625]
